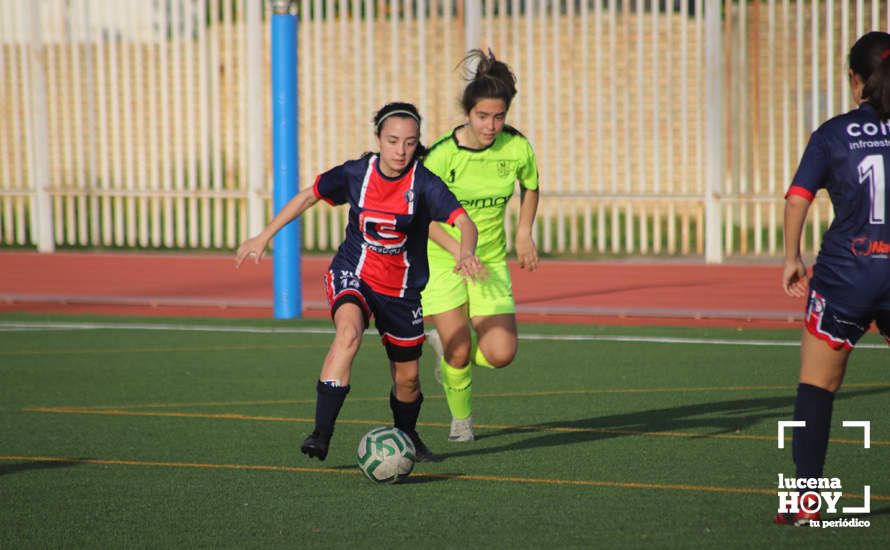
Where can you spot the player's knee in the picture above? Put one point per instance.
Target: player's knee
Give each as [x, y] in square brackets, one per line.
[499, 358]
[348, 337]
[407, 383]
[457, 351]
[458, 357]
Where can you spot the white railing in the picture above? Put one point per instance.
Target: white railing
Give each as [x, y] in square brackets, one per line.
[146, 123]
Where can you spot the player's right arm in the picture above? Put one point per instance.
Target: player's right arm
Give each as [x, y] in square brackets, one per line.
[330, 186]
[255, 247]
[810, 176]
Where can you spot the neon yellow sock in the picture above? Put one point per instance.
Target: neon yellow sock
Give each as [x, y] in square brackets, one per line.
[480, 359]
[458, 386]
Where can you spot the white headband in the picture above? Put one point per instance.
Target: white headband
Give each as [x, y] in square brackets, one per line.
[398, 112]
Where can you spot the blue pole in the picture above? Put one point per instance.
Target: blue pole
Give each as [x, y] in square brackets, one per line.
[286, 161]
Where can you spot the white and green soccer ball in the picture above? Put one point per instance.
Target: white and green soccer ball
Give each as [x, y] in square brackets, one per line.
[386, 455]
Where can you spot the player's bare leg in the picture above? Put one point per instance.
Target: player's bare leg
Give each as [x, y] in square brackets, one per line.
[405, 380]
[405, 401]
[822, 371]
[349, 325]
[454, 333]
[820, 365]
[496, 348]
[333, 384]
[497, 340]
[455, 372]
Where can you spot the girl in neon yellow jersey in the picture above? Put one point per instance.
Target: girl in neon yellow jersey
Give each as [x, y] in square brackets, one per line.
[480, 161]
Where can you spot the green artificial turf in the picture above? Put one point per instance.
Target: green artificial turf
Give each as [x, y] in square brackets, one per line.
[128, 437]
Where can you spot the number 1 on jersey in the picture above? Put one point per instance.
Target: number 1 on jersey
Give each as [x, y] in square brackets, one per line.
[871, 170]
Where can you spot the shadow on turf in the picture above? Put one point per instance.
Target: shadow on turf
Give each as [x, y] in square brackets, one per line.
[19, 467]
[879, 512]
[420, 477]
[721, 417]
[415, 477]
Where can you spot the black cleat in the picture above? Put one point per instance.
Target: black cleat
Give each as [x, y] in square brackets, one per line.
[316, 445]
[421, 452]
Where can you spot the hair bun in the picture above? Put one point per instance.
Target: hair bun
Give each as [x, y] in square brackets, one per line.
[487, 77]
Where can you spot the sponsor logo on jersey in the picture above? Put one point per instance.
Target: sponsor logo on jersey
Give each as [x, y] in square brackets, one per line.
[503, 168]
[383, 250]
[380, 232]
[871, 129]
[486, 202]
[864, 247]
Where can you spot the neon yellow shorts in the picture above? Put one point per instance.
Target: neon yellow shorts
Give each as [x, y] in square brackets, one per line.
[447, 290]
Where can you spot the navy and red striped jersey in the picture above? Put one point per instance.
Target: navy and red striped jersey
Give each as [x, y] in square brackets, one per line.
[389, 220]
[849, 156]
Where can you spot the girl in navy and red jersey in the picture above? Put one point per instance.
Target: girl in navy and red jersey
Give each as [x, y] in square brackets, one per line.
[381, 266]
[849, 156]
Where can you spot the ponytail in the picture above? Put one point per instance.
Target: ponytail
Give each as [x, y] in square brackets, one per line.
[877, 87]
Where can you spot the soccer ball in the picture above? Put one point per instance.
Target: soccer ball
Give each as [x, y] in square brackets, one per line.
[386, 455]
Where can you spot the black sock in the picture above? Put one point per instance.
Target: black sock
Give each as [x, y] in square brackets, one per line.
[810, 444]
[404, 415]
[327, 406]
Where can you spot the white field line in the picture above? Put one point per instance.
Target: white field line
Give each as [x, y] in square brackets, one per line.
[230, 303]
[19, 326]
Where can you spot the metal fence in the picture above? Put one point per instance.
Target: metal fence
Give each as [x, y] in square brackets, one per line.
[147, 123]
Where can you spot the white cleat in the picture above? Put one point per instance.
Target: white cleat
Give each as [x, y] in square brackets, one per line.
[436, 343]
[462, 430]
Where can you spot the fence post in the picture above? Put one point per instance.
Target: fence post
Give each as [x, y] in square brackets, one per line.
[715, 137]
[38, 144]
[288, 299]
[472, 24]
[253, 63]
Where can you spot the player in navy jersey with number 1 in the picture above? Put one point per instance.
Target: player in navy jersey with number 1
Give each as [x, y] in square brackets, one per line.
[381, 266]
[849, 156]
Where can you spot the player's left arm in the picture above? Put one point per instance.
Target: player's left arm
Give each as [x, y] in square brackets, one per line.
[526, 250]
[443, 239]
[810, 177]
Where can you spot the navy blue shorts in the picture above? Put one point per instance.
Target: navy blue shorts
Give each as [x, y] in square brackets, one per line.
[399, 321]
[839, 325]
